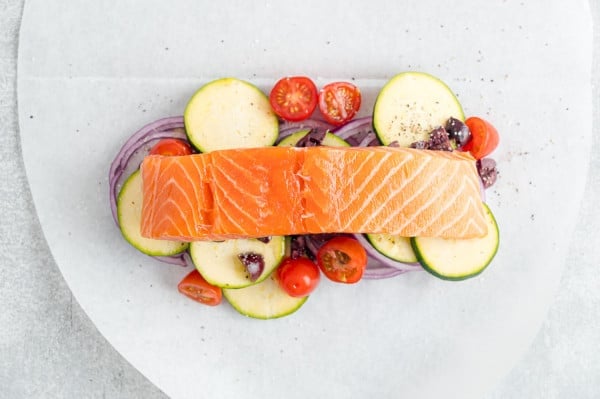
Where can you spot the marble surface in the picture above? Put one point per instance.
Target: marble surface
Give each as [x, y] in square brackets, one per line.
[50, 349]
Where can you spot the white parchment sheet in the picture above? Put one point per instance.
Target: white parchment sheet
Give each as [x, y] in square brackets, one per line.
[91, 73]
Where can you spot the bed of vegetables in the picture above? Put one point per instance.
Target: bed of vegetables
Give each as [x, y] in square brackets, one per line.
[309, 116]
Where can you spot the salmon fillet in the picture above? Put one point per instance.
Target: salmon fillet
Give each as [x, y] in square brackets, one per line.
[257, 192]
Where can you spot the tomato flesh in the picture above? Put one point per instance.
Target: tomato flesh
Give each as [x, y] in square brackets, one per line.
[298, 277]
[342, 259]
[194, 286]
[294, 98]
[484, 137]
[339, 102]
[171, 147]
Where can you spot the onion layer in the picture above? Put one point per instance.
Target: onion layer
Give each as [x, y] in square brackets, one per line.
[381, 272]
[358, 132]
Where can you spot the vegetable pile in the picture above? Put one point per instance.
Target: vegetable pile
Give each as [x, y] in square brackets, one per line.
[290, 268]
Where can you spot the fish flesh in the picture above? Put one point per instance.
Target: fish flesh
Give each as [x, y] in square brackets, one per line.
[258, 192]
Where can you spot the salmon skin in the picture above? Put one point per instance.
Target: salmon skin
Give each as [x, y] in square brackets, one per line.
[258, 192]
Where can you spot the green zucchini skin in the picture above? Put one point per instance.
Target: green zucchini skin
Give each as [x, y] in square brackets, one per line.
[463, 259]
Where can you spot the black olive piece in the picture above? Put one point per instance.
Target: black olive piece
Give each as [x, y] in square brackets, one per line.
[458, 131]
[488, 173]
[254, 264]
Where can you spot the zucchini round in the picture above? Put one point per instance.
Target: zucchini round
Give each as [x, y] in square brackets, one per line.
[265, 300]
[410, 106]
[129, 213]
[230, 113]
[218, 263]
[458, 259]
[394, 247]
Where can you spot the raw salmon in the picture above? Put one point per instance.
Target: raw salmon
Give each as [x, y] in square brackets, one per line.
[259, 192]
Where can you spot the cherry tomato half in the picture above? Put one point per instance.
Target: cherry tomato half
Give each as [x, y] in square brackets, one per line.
[171, 147]
[342, 259]
[294, 98]
[194, 286]
[298, 277]
[484, 137]
[339, 102]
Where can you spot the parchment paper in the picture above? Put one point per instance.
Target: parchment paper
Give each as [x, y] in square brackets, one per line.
[91, 73]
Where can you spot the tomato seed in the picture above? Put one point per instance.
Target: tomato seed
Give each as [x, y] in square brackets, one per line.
[342, 257]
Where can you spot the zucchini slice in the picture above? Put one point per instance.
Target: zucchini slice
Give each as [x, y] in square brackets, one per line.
[265, 300]
[458, 259]
[218, 263]
[129, 213]
[330, 139]
[411, 105]
[394, 247]
[230, 113]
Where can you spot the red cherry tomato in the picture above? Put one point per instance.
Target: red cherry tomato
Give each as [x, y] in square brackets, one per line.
[298, 277]
[294, 98]
[194, 286]
[484, 137]
[339, 102]
[171, 147]
[342, 259]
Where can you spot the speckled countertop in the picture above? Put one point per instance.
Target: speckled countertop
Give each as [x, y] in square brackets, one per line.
[50, 349]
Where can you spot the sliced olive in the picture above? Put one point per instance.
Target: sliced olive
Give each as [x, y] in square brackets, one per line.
[458, 131]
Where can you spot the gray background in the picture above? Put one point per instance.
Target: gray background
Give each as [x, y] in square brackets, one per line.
[50, 349]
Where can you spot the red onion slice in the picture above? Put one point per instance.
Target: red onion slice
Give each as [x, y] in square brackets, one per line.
[377, 272]
[311, 245]
[305, 124]
[161, 125]
[358, 132]
[123, 159]
[353, 127]
[178, 260]
[369, 139]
